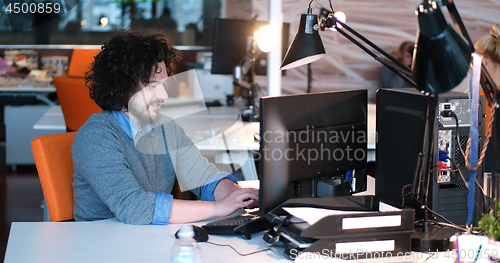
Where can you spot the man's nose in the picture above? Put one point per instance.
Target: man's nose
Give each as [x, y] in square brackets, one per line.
[161, 92]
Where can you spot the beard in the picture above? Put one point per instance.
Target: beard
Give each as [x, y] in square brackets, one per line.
[146, 115]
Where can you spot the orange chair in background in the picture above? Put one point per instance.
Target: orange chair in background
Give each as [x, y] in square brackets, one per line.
[80, 61]
[73, 95]
[52, 154]
[75, 101]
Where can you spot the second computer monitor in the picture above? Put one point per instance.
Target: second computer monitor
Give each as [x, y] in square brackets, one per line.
[312, 145]
[231, 45]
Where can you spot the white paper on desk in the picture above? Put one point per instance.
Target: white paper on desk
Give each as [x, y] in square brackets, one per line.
[312, 215]
[383, 207]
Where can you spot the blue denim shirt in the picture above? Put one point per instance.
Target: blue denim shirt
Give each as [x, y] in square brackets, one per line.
[163, 202]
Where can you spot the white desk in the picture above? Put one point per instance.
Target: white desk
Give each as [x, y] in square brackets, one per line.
[29, 90]
[53, 120]
[192, 116]
[110, 241]
[239, 135]
[20, 118]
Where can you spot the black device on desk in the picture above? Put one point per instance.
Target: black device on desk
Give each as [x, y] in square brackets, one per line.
[231, 45]
[330, 123]
[400, 131]
[244, 224]
[200, 235]
[312, 145]
[371, 220]
[235, 52]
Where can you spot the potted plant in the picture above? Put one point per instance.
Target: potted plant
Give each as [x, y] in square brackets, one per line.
[489, 224]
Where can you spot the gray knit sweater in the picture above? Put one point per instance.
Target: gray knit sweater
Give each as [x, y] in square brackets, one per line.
[115, 176]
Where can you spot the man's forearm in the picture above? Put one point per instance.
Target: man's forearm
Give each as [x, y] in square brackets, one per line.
[223, 188]
[185, 211]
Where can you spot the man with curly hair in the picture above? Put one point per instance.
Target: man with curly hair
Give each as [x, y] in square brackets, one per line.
[127, 158]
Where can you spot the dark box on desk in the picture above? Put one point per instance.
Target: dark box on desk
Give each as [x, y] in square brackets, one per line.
[379, 228]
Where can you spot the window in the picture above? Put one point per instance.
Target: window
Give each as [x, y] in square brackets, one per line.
[89, 22]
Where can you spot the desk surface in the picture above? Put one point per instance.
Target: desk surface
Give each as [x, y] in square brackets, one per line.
[53, 120]
[236, 139]
[28, 88]
[110, 241]
[14, 84]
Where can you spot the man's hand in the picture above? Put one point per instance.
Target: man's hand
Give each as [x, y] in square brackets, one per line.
[224, 188]
[228, 198]
[239, 198]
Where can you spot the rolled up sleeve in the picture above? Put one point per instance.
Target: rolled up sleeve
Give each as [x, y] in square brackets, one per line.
[163, 208]
[207, 192]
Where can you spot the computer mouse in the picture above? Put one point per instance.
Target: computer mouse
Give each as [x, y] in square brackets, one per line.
[200, 235]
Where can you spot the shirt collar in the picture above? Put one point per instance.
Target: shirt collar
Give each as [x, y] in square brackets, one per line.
[130, 127]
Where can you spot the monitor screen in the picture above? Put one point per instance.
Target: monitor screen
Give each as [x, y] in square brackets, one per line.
[231, 44]
[312, 145]
[401, 116]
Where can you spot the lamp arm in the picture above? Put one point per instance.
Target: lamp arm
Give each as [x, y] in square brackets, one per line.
[488, 85]
[389, 61]
[371, 44]
[457, 20]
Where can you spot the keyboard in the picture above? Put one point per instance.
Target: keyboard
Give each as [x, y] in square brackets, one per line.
[243, 224]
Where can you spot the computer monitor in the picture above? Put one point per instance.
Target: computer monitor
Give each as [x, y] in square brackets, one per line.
[401, 137]
[401, 117]
[231, 45]
[312, 145]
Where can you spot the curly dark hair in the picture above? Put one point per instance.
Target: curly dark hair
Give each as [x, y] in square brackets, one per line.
[124, 62]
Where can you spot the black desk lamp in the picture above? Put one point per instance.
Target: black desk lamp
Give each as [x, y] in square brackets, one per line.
[246, 67]
[440, 63]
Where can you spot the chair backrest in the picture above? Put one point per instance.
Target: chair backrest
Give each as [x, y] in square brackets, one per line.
[80, 61]
[75, 101]
[52, 154]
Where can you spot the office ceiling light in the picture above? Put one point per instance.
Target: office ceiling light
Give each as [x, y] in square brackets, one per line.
[442, 56]
[103, 21]
[307, 46]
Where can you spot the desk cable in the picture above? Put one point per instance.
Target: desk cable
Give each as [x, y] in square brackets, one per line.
[449, 113]
[241, 254]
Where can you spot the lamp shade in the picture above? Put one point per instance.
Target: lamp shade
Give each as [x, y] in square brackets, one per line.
[442, 56]
[307, 46]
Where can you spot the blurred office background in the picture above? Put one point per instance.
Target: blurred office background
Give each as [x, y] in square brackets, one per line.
[386, 23]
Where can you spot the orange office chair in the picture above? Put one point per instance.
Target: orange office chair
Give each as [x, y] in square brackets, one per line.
[54, 163]
[75, 101]
[80, 62]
